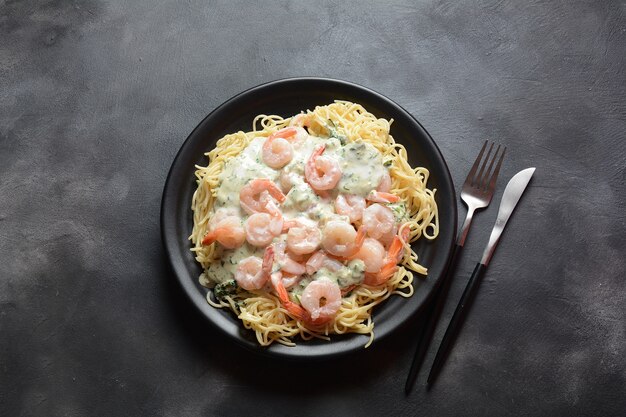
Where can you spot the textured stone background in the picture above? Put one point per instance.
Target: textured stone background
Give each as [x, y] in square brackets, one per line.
[97, 96]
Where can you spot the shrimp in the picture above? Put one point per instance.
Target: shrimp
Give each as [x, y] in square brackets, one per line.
[290, 280]
[299, 138]
[277, 149]
[296, 310]
[262, 228]
[340, 239]
[373, 255]
[397, 246]
[384, 186]
[321, 260]
[382, 197]
[322, 172]
[387, 238]
[303, 236]
[252, 273]
[350, 205]
[394, 256]
[300, 120]
[256, 194]
[277, 152]
[220, 214]
[287, 264]
[298, 258]
[321, 299]
[309, 121]
[287, 180]
[378, 220]
[382, 276]
[227, 231]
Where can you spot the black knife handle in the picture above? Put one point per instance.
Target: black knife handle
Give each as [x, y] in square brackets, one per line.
[432, 314]
[457, 321]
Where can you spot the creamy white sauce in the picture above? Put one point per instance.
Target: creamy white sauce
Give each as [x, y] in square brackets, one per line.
[362, 170]
[224, 269]
[350, 274]
[239, 171]
[362, 167]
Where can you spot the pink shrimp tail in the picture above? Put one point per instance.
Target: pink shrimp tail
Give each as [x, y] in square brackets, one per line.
[395, 249]
[288, 224]
[394, 255]
[405, 234]
[361, 234]
[275, 191]
[397, 246]
[209, 238]
[358, 243]
[381, 276]
[268, 260]
[320, 150]
[381, 197]
[285, 133]
[310, 167]
[294, 309]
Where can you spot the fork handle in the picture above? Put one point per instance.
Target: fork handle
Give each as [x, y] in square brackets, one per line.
[457, 321]
[432, 315]
[466, 226]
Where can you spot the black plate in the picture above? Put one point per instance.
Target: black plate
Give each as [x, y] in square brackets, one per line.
[286, 98]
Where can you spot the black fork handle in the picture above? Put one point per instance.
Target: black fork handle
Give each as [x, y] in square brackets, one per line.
[457, 320]
[432, 315]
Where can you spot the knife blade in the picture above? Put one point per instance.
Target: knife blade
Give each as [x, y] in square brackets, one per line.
[512, 193]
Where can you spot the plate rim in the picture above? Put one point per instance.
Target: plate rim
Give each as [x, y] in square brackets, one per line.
[201, 304]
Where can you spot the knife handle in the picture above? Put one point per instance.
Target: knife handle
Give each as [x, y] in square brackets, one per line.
[457, 321]
[431, 316]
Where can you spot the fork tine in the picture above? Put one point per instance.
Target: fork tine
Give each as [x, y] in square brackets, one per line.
[494, 175]
[479, 176]
[485, 179]
[470, 175]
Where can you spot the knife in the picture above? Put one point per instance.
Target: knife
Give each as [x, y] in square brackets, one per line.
[512, 193]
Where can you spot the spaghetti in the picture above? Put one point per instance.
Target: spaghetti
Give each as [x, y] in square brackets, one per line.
[350, 134]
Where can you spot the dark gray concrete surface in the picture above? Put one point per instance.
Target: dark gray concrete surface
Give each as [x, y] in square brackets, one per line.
[97, 96]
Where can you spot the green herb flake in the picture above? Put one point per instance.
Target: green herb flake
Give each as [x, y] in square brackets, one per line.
[225, 288]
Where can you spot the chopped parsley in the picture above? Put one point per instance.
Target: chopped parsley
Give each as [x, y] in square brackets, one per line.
[399, 211]
[225, 288]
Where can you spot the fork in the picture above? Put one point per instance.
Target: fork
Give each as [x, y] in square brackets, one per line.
[476, 193]
[478, 188]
